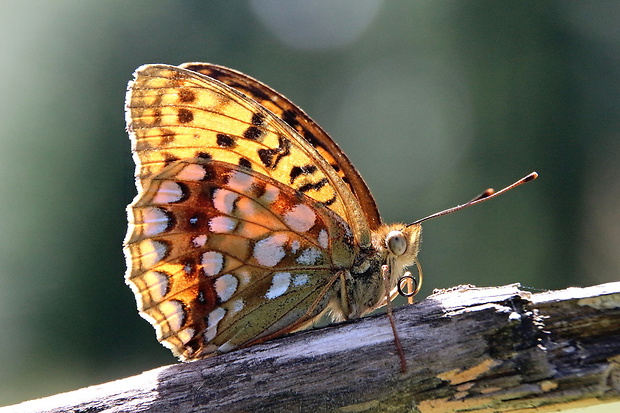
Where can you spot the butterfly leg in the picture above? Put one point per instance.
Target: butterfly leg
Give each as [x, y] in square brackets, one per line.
[344, 301]
[385, 274]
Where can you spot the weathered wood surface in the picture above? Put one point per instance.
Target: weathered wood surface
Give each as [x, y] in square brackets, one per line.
[468, 349]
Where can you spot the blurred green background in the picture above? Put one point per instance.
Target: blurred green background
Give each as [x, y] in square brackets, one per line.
[434, 101]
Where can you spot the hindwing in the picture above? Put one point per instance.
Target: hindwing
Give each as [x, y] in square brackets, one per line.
[221, 256]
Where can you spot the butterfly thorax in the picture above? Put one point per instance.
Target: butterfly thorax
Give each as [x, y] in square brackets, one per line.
[395, 246]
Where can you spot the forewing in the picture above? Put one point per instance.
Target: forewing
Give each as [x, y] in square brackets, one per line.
[296, 118]
[174, 114]
[220, 256]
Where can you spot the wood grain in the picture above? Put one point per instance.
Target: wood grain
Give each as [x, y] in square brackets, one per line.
[468, 349]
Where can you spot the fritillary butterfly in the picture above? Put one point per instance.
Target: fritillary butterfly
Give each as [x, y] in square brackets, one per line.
[249, 222]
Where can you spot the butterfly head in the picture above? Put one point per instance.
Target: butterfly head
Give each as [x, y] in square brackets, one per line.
[395, 248]
[401, 244]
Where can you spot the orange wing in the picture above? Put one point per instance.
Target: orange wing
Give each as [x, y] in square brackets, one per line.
[174, 113]
[303, 124]
[220, 256]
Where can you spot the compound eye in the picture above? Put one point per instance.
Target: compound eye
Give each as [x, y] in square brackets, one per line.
[396, 243]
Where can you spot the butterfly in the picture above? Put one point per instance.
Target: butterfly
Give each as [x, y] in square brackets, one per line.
[250, 222]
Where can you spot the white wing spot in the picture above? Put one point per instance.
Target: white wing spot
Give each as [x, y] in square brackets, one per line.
[186, 335]
[295, 246]
[244, 277]
[199, 241]
[270, 251]
[271, 194]
[222, 224]
[240, 182]
[213, 319]
[168, 192]
[187, 269]
[308, 256]
[192, 172]
[300, 218]
[300, 279]
[151, 252]
[237, 306]
[225, 286]
[224, 200]
[154, 220]
[246, 208]
[172, 312]
[279, 284]
[212, 263]
[323, 239]
[156, 284]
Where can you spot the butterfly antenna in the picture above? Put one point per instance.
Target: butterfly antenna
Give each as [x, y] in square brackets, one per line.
[485, 196]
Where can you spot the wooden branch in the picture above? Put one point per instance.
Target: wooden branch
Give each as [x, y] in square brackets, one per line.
[468, 349]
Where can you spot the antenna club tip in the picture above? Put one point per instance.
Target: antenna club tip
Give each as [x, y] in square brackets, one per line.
[486, 195]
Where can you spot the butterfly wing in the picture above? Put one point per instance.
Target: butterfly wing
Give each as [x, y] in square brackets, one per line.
[303, 124]
[174, 113]
[220, 256]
